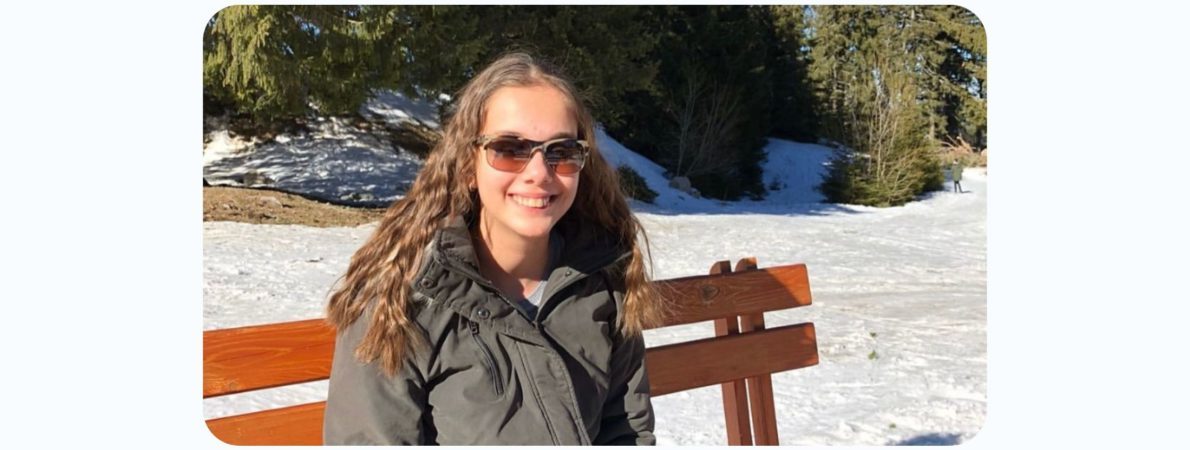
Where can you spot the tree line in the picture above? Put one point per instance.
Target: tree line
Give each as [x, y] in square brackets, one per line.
[697, 89]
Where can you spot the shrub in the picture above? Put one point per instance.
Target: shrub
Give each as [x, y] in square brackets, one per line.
[892, 180]
[634, 186]
[956, 148]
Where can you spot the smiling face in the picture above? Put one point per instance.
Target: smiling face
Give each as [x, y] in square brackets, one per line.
[524, 206]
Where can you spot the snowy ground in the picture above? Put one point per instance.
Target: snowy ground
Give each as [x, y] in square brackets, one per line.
[899, 293]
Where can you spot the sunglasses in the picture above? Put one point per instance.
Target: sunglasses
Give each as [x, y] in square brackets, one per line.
[565, 156]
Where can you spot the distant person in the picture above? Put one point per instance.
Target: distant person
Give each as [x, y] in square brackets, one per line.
[956, 175]
[502, 300]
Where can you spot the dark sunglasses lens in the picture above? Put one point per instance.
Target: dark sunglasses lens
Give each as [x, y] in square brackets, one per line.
[567, 156]
[509, 155]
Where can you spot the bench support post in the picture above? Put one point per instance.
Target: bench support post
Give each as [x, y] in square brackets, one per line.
[735, 393]
[760, 389]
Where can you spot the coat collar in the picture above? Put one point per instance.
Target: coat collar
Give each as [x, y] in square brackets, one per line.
[586, 249]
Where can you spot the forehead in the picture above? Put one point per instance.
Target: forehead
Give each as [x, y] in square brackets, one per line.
[534, 112]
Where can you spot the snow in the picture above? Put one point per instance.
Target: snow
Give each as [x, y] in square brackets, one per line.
[335, 161]
[397, 108]
[899, 293]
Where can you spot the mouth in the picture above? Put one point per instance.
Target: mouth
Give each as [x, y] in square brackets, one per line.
[533, 202]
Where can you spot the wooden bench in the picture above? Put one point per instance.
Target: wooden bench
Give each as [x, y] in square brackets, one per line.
[740, 357]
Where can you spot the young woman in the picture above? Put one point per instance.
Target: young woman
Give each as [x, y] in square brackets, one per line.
[502, 300]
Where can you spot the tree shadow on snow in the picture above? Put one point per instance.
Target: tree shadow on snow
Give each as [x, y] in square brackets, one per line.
[349, 174]
[932, 439]
[750, 207]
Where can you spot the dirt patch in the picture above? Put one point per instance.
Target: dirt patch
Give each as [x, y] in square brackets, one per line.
[232, 204]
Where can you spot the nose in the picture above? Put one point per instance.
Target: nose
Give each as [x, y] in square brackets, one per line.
[537, 169]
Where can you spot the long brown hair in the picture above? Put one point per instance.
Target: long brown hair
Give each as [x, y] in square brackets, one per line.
[382, 270]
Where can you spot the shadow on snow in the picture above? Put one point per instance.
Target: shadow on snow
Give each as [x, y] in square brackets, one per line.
[932, 439]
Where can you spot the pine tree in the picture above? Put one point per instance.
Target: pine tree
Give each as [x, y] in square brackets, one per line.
[795, 112]
[247, 64]
[710, 108]
[603, 48]
[273, 62]
[964, 67]
[873, 66]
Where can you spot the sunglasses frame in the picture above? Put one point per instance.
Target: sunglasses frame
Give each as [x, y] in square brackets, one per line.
[534, 147]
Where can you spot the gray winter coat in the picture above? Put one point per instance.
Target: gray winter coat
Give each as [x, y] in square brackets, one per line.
[490, 375]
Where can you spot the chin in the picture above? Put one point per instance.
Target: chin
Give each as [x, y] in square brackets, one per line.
[534, 230]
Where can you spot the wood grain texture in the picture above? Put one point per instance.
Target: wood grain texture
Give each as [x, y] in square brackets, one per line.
[710, 297]
[706, 362]
[244, 359]
[293, 425]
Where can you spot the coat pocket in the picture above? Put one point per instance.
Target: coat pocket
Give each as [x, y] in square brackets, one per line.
[488, 360]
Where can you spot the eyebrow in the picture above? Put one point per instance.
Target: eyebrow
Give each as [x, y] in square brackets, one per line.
[561, 135]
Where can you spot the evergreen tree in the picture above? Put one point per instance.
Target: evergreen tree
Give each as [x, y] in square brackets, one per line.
[795, 112]
[247, 64]
[276, 62]
[604, 49]
[963, 43]
[872, 65]
[709, 111]
[273, 62]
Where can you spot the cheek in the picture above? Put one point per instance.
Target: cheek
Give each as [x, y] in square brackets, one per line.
[572, 190]
[488, 185]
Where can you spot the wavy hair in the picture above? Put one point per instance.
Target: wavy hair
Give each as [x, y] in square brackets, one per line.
[382, 270]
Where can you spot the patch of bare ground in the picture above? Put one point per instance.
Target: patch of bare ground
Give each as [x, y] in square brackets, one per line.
[233, 204]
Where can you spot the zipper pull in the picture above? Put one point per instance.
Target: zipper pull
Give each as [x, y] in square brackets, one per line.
[473, 326]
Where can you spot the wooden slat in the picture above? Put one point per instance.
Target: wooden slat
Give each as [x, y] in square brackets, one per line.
[244, 359]
[702, 298]
[706, 362]
[294, 425]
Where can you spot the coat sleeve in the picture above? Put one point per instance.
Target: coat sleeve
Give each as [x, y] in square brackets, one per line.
[628, 410]
[364, 406]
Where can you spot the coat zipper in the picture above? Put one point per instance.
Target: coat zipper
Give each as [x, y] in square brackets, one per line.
[583, 438]
[536, 322]
[497, 384]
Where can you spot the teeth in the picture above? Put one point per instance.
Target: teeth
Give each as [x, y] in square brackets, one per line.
[532, 202]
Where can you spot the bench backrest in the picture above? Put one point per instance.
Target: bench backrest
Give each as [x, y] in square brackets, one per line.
[740, 357]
